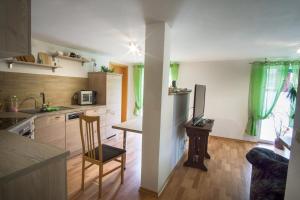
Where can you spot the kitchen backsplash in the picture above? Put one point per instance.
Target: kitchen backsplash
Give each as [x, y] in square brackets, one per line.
[59, 90]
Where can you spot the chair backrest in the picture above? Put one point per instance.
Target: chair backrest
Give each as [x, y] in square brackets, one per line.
[88, 133]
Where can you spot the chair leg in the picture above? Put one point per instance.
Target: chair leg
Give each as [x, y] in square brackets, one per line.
[100, 180]
[122, 168]
[82, 174]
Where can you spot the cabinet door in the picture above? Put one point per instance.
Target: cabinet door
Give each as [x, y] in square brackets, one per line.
[113, 117]
[15, 31]
[114, 91]
[73, 138]
[113, 103]
[51, 130]
[101, 112]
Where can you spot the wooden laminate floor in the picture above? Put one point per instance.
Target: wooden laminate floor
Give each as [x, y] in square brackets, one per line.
[228, 175]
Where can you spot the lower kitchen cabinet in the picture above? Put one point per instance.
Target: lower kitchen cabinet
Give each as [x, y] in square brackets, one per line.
[73, 137]
[101, 112]
[51, 130]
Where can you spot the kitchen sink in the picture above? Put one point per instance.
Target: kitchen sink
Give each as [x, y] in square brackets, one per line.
[48, 109]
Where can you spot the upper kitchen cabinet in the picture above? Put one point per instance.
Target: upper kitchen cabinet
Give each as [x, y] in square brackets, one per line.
[15, 28]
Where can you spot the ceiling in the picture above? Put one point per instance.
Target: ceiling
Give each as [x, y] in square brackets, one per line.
[201, 30]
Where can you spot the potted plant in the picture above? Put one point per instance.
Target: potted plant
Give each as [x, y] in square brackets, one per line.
[292, 95]
[280, 130]
[106, 69]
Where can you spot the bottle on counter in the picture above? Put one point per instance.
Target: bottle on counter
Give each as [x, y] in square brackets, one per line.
[14, 104]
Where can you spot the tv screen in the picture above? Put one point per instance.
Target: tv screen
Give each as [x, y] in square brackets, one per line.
[199, 103]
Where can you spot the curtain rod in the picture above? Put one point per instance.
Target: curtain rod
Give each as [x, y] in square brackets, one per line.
[266, 61]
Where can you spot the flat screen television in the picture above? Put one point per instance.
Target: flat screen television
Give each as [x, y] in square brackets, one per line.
[199, 103]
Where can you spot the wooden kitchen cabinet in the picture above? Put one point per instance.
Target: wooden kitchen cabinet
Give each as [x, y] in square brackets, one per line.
[15, 28]
[109, 93]
[51, 130]
[101, 112]
[73, 137]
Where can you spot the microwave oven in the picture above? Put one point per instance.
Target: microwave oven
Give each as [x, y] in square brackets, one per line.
[86, 97]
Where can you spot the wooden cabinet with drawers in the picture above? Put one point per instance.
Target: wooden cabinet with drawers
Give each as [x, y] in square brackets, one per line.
[51, 130]
[101, 112]
[109, 93]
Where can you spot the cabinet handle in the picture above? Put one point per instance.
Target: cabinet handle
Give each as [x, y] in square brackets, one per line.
[57, 117]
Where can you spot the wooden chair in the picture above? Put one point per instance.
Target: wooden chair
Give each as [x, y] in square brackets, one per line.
[95, 155]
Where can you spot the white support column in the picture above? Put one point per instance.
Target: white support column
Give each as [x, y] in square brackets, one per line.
[156, 78]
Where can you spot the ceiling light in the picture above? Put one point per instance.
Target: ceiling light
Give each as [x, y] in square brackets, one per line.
[298, 51]
[134, 49]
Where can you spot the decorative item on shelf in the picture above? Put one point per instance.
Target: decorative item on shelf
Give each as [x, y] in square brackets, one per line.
[60, 53]
[44, 58]
[73, 55]
[94, 64]
[106, 69]
[27, 58]
[70, 56]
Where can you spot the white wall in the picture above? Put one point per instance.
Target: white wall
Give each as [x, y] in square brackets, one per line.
[293, 180]
[70, 68]
[131, 98]
[227, 87]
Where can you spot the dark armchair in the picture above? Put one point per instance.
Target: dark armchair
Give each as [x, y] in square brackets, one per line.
[269, 172]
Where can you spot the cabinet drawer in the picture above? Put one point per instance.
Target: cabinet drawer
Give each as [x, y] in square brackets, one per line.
[113, 117]
[42, 122]
[96, 111]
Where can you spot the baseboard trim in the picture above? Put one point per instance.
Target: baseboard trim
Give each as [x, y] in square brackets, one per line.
[149, 192]
[158, 194]
[180, 161]
[233, 139]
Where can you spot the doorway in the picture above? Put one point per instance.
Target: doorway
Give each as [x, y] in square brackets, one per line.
[122, 69]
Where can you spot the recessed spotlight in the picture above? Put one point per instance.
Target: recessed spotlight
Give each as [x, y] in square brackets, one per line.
[298, 51]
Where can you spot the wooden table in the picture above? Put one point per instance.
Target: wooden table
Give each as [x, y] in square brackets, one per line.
[134, 125]
[198, 139]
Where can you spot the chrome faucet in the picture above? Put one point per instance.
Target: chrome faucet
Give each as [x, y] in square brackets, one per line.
[44, 105]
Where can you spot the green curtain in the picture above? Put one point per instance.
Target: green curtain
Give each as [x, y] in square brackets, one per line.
[267, 81]
[138, 86]
[174, 68]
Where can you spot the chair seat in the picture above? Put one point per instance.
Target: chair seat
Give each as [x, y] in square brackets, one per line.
[108, 152]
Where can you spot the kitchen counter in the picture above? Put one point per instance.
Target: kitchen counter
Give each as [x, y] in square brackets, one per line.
[74, 108]
[20, 155]
[180, 92]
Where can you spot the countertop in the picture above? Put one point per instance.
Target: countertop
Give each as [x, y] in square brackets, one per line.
[180, 92]
[20, 155]
[74, 108]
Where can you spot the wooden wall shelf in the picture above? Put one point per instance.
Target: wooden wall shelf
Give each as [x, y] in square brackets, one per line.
[12, 62]
[82, 60]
